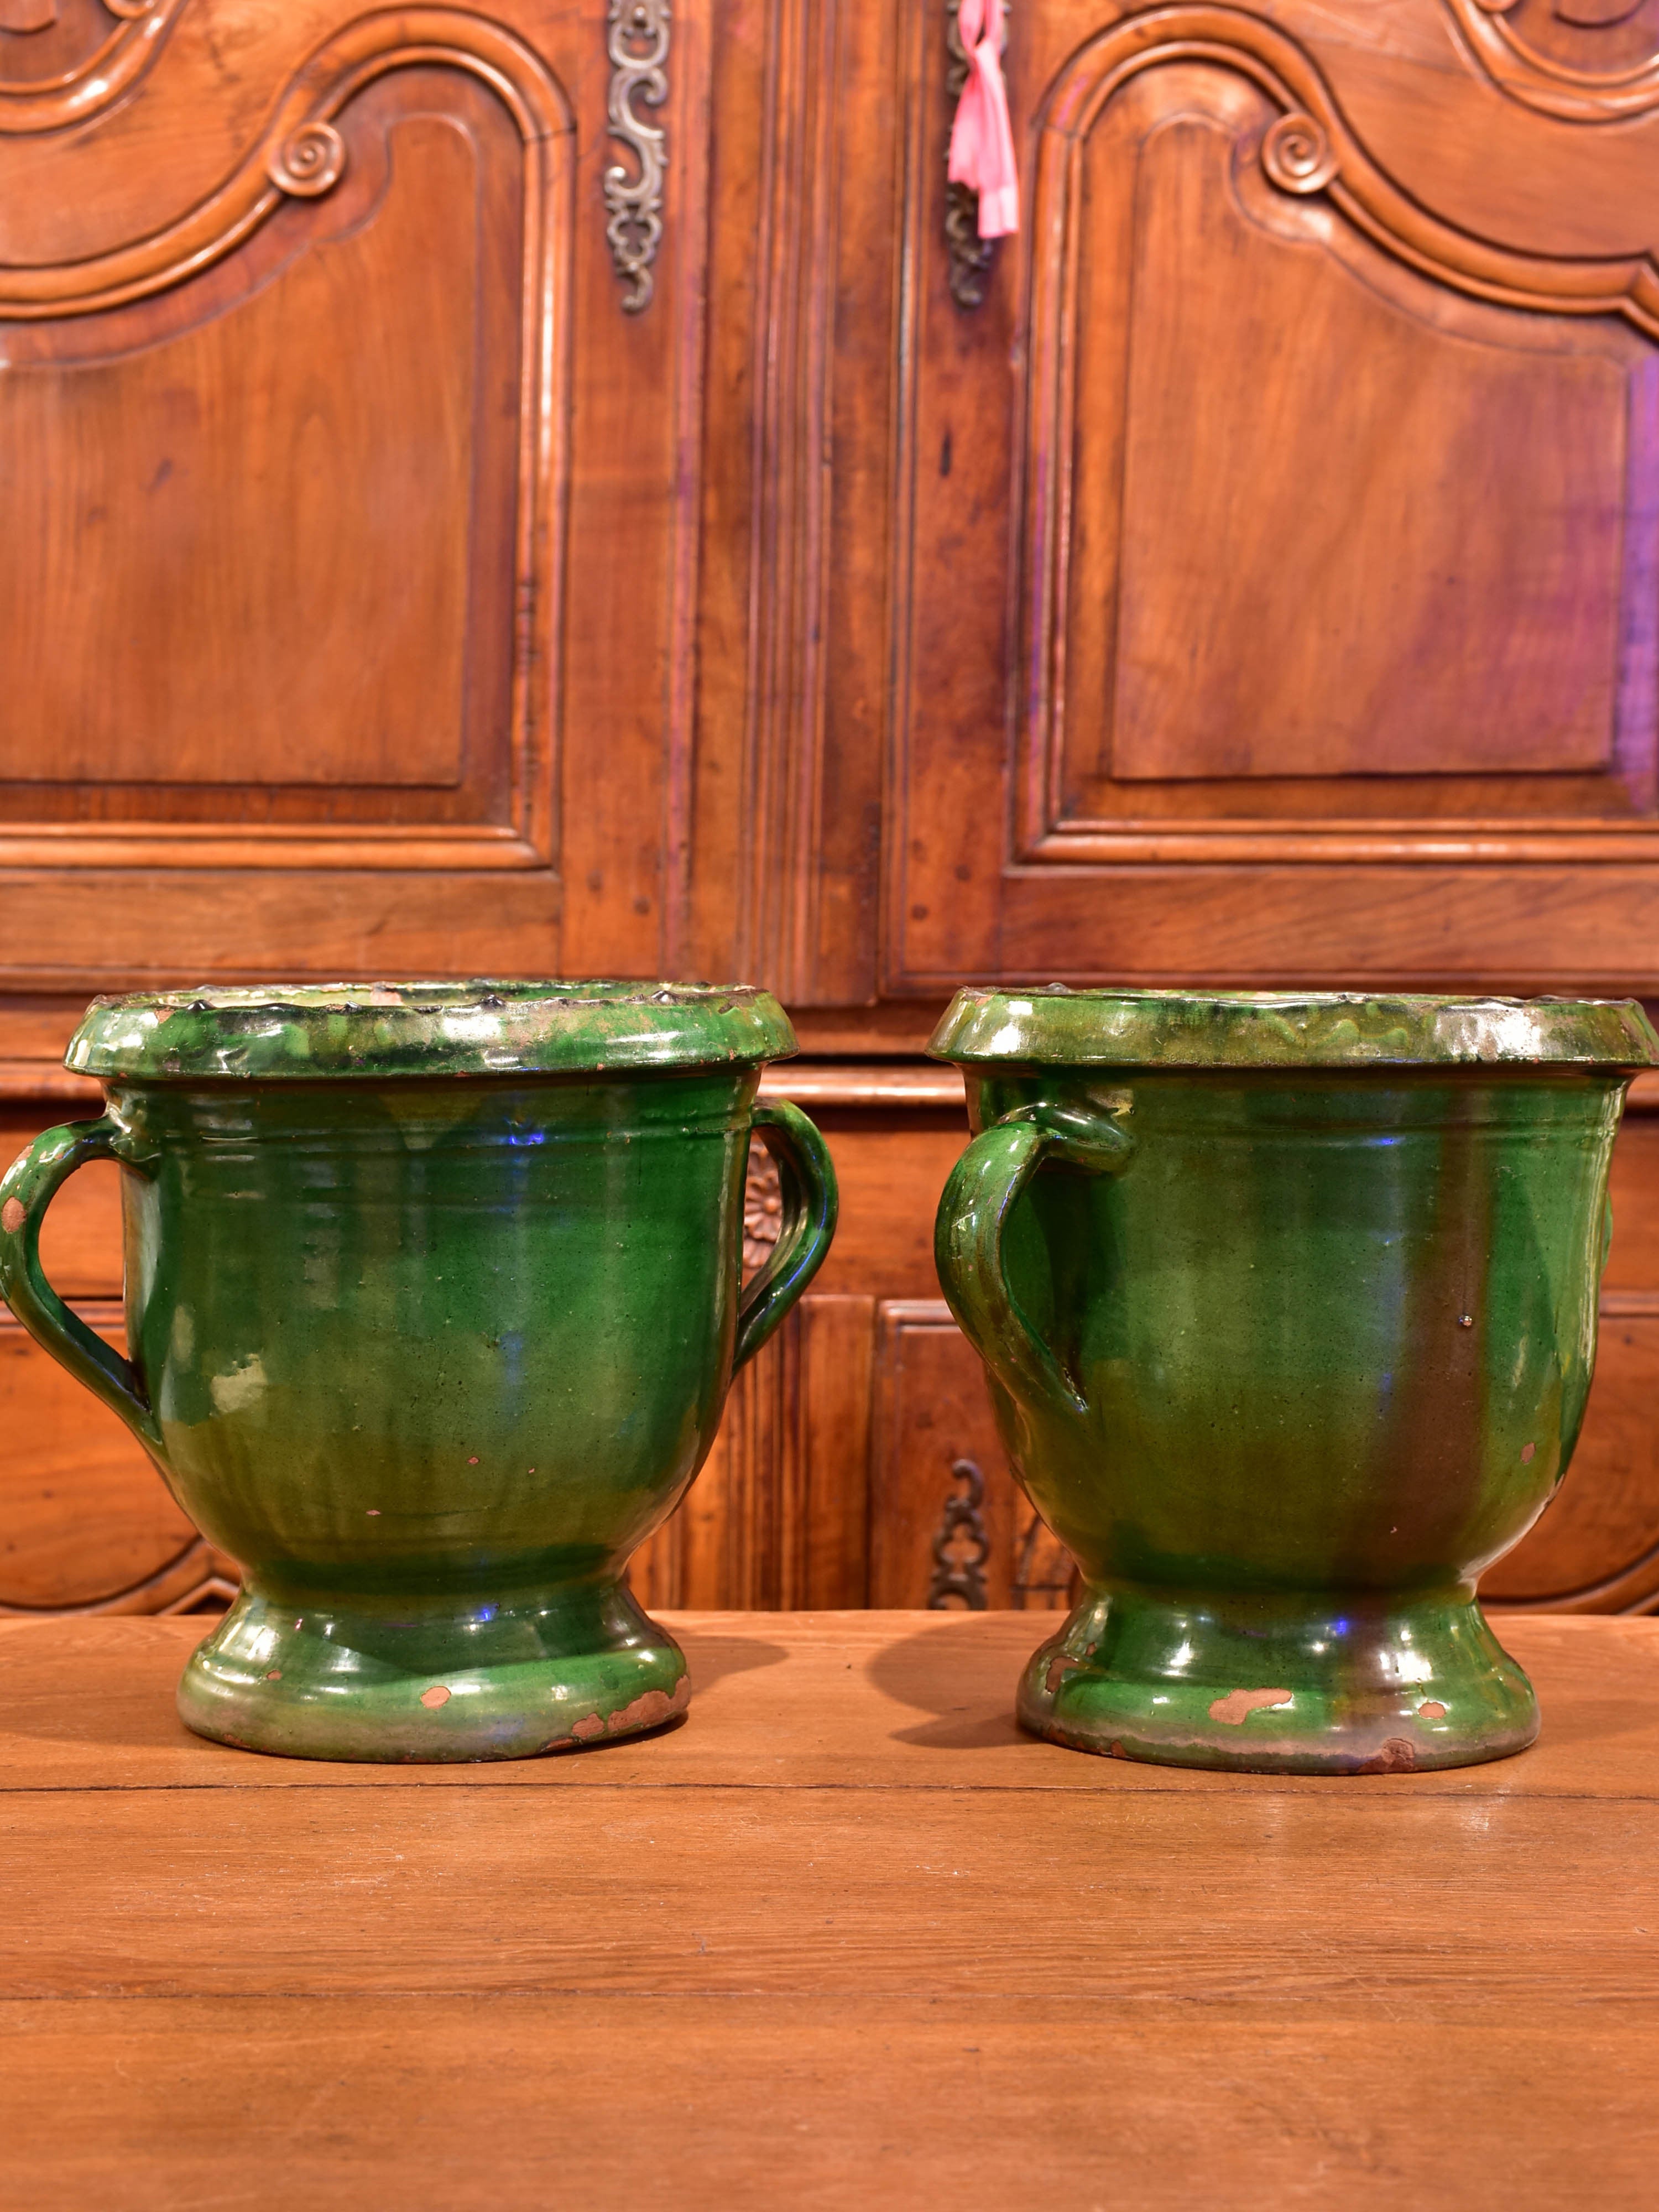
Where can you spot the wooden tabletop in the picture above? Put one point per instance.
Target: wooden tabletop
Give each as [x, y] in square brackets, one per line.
[845, 1938]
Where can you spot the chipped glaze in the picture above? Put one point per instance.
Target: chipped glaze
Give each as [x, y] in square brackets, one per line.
[1288, 1305]
[428, 1334]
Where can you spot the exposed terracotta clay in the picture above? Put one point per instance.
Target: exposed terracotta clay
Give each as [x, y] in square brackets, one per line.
[652, 1707]
[1238, 1705]
[1397, 1756]
[13, 1213]
[436, 1696]
[1057, 1667]
[586, 1731]
[1432, 1711]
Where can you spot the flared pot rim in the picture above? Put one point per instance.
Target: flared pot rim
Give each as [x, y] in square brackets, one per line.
[480, 1027]
[1054, 1025]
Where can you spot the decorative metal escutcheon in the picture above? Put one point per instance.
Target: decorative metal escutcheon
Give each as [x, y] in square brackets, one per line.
[636, 43]
[961, 1546]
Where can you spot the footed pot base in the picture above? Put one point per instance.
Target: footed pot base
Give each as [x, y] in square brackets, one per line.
[436, 1680]
[1343, 1684]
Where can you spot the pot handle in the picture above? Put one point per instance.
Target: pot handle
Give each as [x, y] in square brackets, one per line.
[807, 1178]
[31, 1183]
[984, 1187]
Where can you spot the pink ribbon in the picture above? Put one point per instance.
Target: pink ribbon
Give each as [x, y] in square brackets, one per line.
[981, 140]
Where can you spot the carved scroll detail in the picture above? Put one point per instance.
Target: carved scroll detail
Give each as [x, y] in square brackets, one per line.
[971, 256]
[303, 153]
[108, 73]
[1296, 155]
[309, 163]
[637, 42]
[1517, 65]
[1626, 285]
[961, 1546]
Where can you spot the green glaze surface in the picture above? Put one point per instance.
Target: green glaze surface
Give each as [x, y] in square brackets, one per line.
[430, 1352]
[1287, 1355]
[297, 1032]
[1250, 1029]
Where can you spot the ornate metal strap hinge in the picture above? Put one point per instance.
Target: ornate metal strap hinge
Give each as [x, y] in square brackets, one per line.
[971, 256]
[636, 41]
[961, 1546]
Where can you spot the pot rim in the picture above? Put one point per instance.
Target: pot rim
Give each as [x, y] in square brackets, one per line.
[304, 1031]
[1053, 1025]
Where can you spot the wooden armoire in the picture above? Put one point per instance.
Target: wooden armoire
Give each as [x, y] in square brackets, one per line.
[559, 487]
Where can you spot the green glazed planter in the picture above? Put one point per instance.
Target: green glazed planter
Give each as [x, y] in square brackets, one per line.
[433, 1301]
[1288, 1306]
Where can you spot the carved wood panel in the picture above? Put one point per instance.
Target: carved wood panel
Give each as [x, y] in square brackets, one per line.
[284, 559]
[948, 1525]
[944, 1513]
[1261, 581]
[1271, 576]
[1303, 490]
[317, 374]
[290, 518]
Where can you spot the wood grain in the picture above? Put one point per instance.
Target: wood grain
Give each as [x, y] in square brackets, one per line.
[1596, 1548]
[83, 1514]
[1021, 2102]
[932, 1414]
[443, 1892]
[860, 1942]
[891, 1167]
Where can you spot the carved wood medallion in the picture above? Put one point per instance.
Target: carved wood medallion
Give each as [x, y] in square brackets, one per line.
[763, 1206]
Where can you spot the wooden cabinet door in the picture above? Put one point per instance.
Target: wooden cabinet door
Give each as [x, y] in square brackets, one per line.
[1277, 591]
[345, 421]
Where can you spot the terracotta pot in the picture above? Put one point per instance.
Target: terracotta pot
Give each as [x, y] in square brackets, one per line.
[433, 1304]
[1288, 1306]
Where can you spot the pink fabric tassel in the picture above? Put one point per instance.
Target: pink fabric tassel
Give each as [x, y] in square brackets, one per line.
[981, 140]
